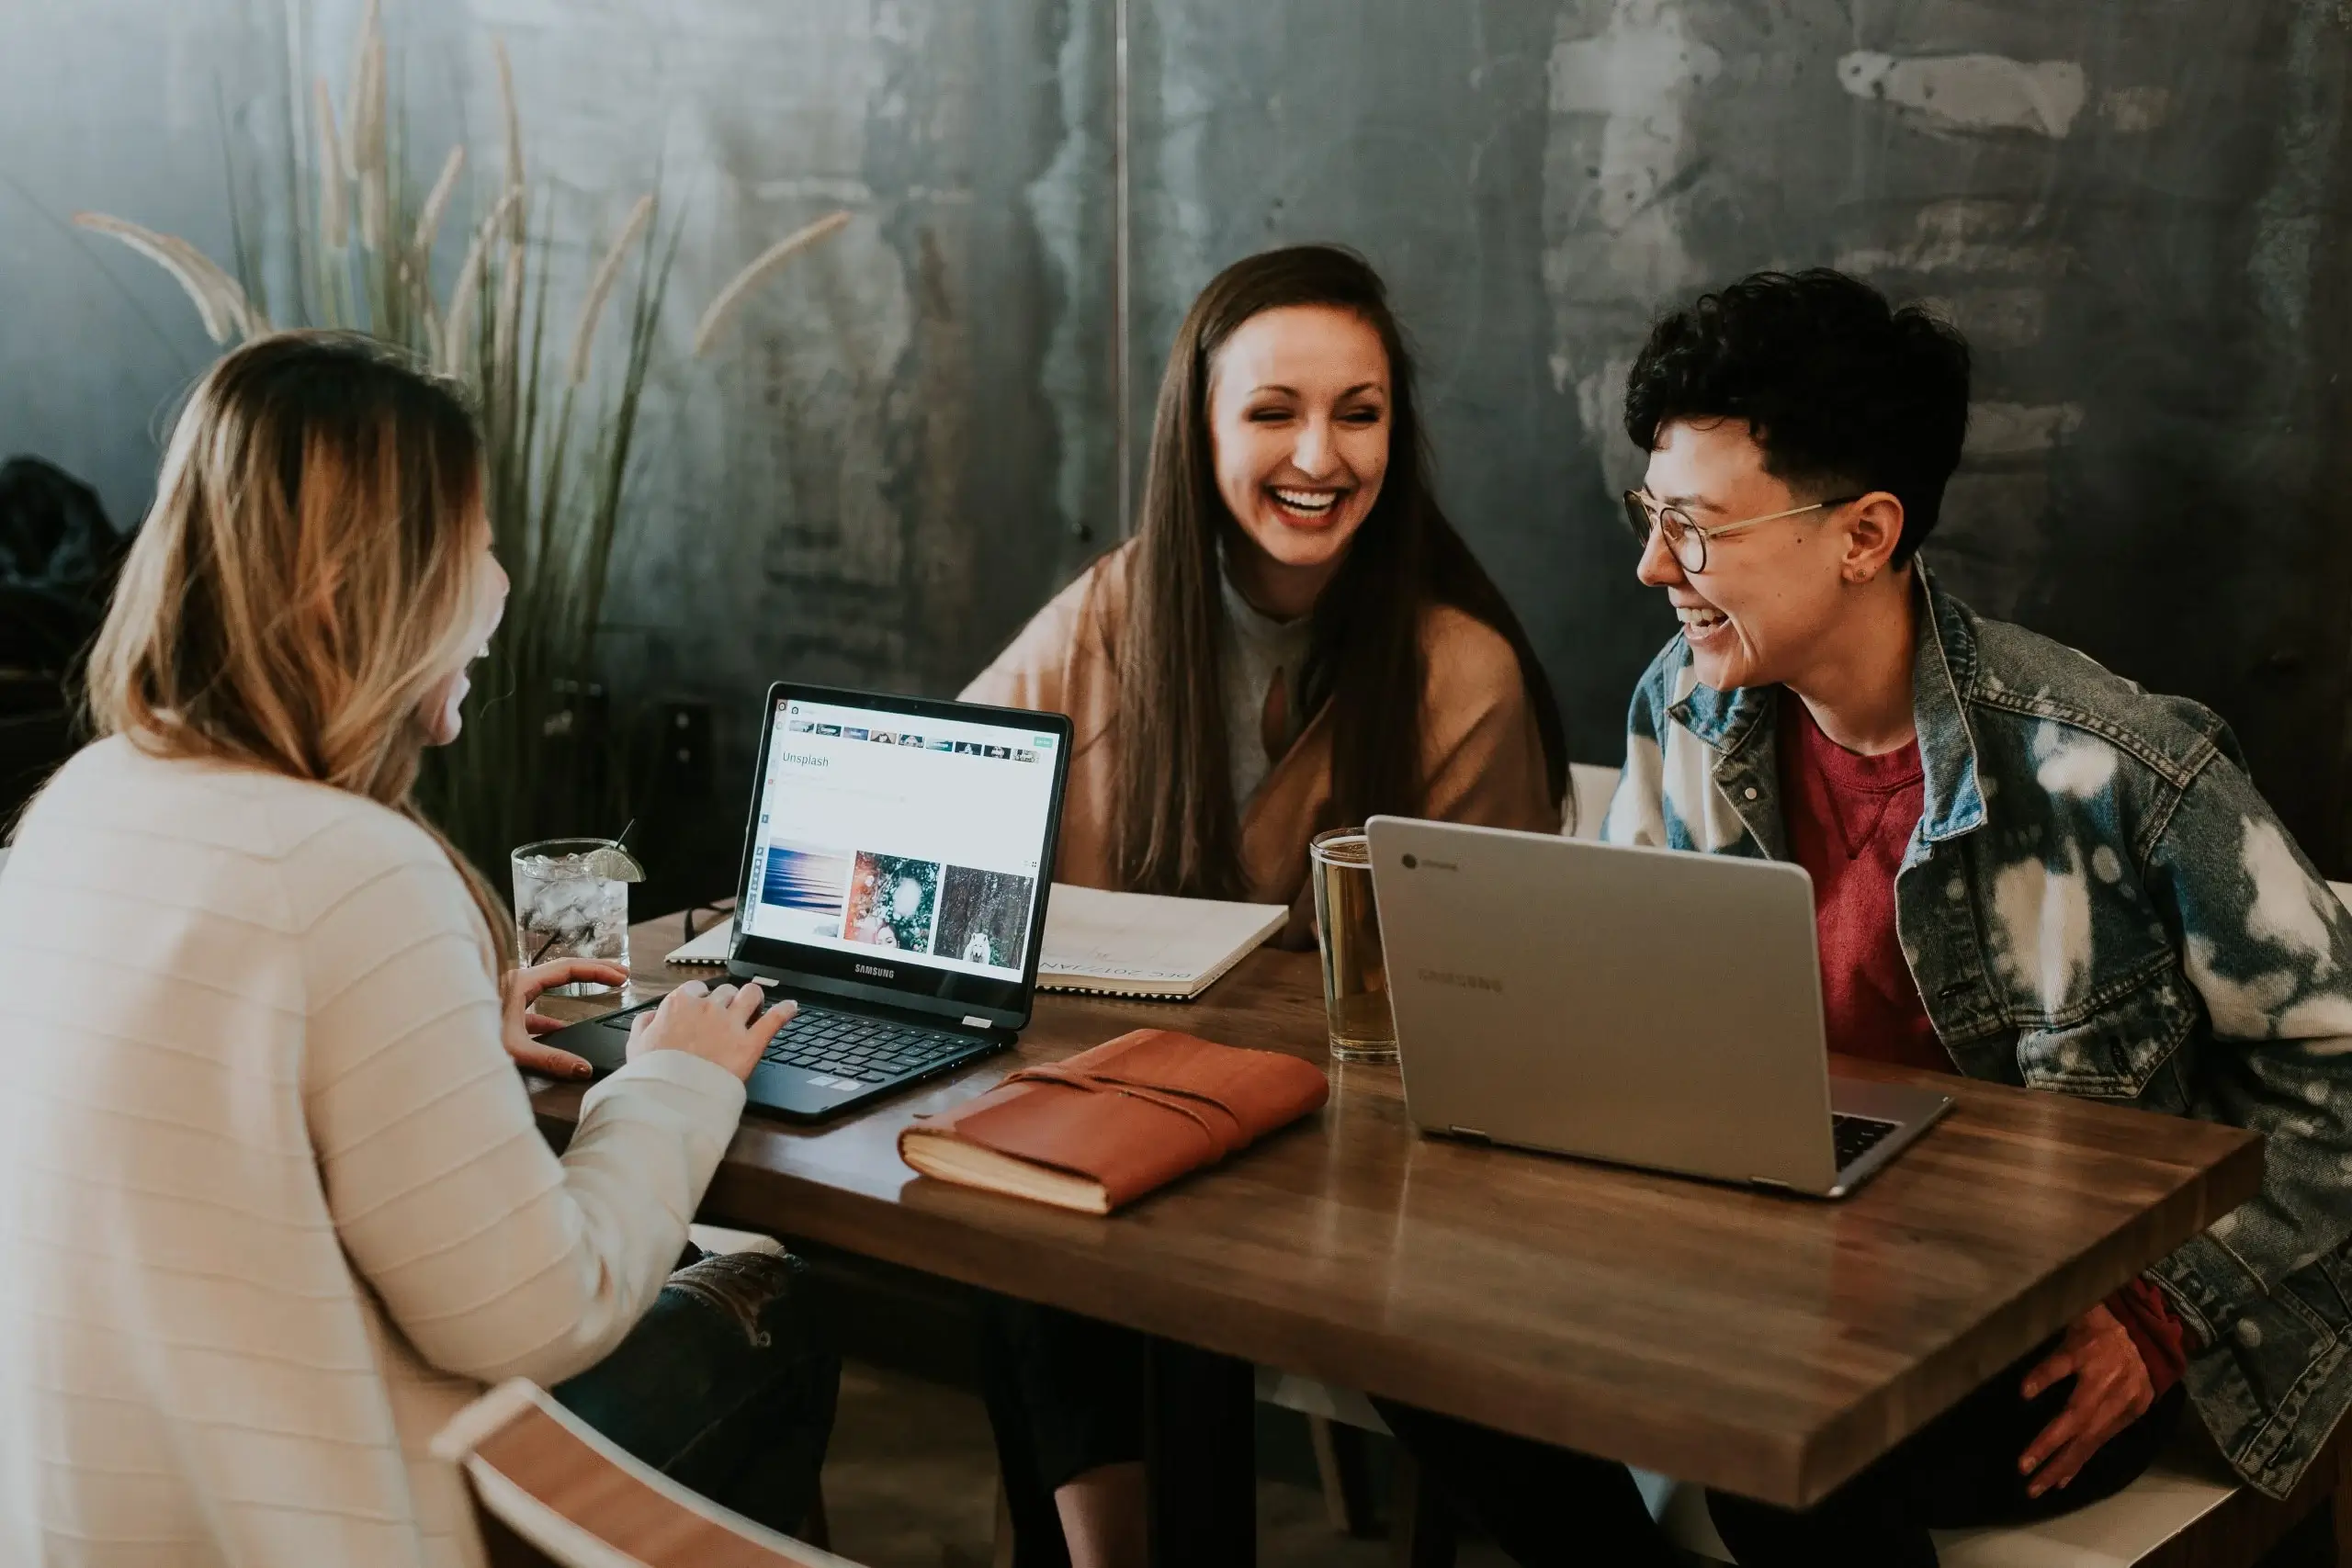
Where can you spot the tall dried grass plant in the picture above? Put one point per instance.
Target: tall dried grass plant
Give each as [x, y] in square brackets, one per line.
[361, 242]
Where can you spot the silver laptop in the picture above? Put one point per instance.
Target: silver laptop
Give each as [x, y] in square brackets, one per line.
[1649, 1007]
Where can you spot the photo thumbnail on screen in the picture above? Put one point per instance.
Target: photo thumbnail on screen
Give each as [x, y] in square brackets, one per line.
[984, 917]
[892, 902]
[805, 886]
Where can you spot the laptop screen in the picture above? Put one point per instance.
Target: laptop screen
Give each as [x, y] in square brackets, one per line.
[902, 842]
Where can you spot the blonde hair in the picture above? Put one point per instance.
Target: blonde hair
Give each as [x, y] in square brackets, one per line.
[306, 577]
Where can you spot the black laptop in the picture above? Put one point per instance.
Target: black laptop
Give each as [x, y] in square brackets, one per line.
[894, 882]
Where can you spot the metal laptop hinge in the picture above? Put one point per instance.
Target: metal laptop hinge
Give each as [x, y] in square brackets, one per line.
[1472, 1133]
[1768, 1181]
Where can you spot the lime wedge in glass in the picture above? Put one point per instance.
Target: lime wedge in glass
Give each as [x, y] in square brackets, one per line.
[615, 864]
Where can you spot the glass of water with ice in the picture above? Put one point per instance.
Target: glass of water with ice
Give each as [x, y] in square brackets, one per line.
[572, 901]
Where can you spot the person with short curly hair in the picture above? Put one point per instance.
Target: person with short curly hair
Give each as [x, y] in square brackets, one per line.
[2025, 869]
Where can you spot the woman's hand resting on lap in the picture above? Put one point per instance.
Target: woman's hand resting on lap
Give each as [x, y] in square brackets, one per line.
[717, 1025]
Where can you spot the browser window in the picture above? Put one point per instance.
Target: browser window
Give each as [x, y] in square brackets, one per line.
[919, 835]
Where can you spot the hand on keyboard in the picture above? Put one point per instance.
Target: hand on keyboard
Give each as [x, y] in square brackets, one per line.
[725, 1026]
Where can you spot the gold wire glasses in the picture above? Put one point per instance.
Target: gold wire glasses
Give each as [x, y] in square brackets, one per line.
[1687, 538]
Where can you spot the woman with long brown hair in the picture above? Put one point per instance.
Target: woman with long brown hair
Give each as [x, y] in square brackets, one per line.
[272, 1205]
[1295, 640]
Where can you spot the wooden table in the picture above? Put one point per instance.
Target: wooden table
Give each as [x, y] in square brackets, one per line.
[1768, 1345]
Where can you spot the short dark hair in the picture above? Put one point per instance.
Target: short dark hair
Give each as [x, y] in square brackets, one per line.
[1843, 392]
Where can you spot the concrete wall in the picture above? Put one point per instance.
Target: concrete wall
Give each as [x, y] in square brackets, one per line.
[2136, 209]
[899, 449]
[890, 456]
[122, 107]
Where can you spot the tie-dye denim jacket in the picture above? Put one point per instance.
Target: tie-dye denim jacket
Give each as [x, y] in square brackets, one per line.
[2097, 901]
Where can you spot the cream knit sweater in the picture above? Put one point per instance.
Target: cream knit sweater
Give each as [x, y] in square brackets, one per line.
[272, 1205]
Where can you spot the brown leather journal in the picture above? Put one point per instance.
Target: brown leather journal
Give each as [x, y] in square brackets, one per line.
[1112, 1123]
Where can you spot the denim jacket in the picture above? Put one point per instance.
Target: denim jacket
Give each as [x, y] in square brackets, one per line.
[2097, 901]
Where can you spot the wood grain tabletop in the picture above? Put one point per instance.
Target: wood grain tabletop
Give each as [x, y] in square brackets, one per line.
[1764, 1344]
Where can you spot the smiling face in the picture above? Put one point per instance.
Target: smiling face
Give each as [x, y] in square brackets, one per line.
[442, 712]
[1771, 597]
[1299, 414]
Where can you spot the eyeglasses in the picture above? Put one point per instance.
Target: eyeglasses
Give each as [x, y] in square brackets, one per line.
[1686, 539]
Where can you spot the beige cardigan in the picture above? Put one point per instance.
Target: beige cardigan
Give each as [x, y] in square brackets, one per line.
[1481, 751]
[272, 1203]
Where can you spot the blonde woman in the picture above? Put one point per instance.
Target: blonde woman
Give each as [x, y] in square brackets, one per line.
[272, 1203]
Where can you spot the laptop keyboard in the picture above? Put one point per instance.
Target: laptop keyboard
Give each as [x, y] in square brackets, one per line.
[849, 1045]
[871, 1050]
[1857, 1135]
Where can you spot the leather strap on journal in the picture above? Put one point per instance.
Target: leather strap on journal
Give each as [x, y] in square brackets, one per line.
[1224, 1139]
[1135, 1113]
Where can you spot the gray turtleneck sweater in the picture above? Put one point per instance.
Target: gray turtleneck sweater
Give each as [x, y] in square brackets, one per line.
[1255, 650]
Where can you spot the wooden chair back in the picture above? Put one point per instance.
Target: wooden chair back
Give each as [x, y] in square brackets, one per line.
[550, 1491]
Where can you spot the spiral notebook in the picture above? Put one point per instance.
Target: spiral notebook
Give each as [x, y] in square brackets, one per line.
[1113, 944]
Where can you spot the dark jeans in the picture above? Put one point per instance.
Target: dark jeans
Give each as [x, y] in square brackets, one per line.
[1065, 1395]
[1546, 1507]
[726, 1386]
[1550, 1507]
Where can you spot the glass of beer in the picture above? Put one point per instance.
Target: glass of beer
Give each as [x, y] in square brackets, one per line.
[1347, 927]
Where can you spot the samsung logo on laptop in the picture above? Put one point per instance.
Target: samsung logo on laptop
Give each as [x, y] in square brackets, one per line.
[1467, 982]
[881, 974]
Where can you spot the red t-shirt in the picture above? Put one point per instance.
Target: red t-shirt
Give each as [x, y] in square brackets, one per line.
[1848, 819]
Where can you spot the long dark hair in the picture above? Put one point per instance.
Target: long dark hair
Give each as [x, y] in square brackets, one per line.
[1177, 827]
